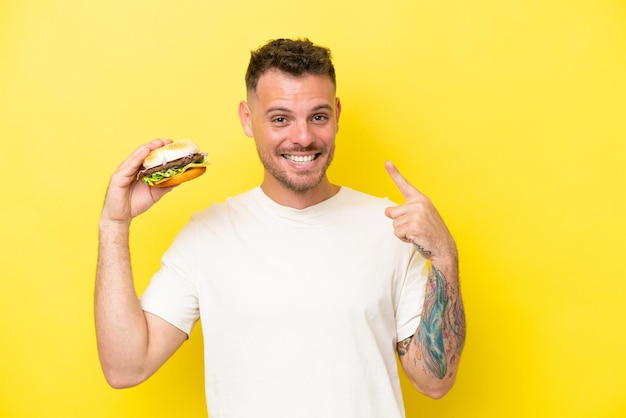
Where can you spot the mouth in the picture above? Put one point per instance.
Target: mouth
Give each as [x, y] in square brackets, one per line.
[300, 159]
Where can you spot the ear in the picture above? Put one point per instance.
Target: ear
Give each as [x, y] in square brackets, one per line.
[337, 111]
[245, 118]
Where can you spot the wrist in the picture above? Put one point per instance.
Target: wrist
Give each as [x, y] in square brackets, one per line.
[113, 225]
[446, 260]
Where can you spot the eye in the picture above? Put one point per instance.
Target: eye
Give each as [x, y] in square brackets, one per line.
[320, 118]
[279, 120]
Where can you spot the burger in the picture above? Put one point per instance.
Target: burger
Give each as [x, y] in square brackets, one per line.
[172, 164]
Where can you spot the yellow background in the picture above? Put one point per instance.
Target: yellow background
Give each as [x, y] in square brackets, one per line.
[508, 114]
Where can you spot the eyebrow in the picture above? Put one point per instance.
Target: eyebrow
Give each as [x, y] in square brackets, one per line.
[287, 110]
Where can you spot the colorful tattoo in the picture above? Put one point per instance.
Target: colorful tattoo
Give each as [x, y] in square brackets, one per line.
[442, 328]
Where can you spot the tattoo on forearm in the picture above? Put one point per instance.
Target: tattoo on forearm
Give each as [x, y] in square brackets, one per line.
[423, 251]
[430, 333]
[441, 334]
[443, 324]
[403, 346]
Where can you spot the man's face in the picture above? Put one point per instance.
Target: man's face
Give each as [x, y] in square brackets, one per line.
[294, 121]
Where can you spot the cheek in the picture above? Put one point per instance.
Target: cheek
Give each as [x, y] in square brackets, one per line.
[327, 134]
[268, 140]
[273, 136]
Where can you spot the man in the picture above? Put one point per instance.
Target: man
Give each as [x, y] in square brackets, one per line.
[305, 289]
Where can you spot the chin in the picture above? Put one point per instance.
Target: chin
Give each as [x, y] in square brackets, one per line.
[300, 184]
[291, 179]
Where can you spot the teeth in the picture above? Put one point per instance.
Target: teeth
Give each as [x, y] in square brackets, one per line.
[300, 158]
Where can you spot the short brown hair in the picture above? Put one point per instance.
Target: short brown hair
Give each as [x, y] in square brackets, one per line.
[293, 56]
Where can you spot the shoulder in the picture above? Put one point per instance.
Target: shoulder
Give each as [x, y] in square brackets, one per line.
[362, 211]
[363, 201]
[216, 221]
[230, 207]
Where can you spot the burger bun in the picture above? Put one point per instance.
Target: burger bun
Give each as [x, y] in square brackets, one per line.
[186, 175]
[170, 152]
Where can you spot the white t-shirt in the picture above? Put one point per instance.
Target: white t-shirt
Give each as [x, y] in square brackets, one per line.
[300, 309]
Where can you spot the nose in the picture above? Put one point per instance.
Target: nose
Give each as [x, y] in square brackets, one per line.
[302, 134]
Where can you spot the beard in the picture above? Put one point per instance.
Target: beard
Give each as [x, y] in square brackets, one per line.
[297, 182]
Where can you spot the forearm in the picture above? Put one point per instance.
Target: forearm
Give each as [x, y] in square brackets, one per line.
[431, 356]
[121, 328]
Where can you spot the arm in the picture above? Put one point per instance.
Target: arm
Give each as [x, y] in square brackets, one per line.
[431, 356]
[132, 344]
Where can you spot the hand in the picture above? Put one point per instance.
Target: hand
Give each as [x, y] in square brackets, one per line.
[418, 222]
[126, 196]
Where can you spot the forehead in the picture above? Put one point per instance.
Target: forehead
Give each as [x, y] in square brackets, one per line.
[277, 85]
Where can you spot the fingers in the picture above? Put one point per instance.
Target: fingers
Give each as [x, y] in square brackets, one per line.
[127, 196]
[395, 212]
[140, 153]
[131, 165]
[412, 219]
[407, 221]
[407, 189]
[158, 192]
[417, 220]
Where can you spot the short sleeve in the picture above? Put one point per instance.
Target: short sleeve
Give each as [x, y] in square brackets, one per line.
[411, 297]
[172, 292]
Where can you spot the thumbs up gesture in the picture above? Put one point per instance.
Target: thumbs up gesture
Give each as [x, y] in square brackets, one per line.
[418, 222]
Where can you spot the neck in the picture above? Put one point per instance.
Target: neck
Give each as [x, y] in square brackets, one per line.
[299, 200]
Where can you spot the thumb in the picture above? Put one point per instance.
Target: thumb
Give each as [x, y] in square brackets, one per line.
[407, 189]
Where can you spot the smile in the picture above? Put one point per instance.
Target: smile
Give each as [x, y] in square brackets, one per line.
[300, 159]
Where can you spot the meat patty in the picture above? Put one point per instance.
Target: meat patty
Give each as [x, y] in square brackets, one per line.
[193, 158]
